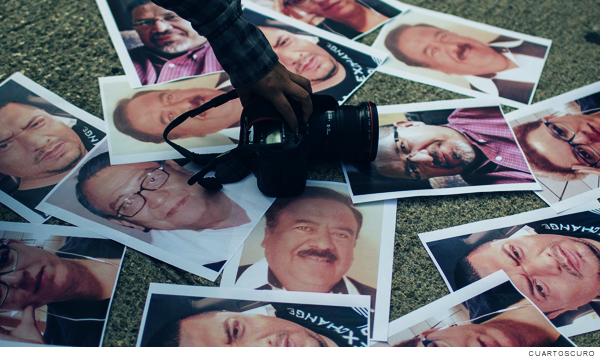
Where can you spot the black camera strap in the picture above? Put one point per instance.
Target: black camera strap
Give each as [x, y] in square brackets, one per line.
[231, 166]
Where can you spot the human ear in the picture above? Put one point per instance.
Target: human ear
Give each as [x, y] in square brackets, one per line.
[267, 234]
[127, 224]
[407, 124]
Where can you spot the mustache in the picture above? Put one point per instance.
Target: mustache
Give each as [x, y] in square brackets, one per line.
[325, 254]
[154, 36]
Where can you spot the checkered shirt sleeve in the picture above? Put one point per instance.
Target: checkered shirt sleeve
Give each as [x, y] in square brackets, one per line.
[241, 48]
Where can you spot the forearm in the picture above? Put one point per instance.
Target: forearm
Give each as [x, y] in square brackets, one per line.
[241, 48]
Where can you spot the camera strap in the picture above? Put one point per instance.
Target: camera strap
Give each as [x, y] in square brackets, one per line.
[231, 166]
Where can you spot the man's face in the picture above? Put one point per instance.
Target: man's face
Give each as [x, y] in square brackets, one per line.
[423, 151]
[40, 277]
[559, 152]
[331, 9]
[33, 145]
[171, 35]
[450, 53]
[312, 246]
[153, 111]
[557, 273]
[175, 205]
[225, 328]
[304, 58]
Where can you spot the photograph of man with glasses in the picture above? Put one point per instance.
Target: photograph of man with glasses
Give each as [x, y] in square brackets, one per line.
[519, 324]
[151, 203]
[63, 295]
[561, 142]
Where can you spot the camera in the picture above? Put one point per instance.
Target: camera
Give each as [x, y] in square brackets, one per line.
[349, 133]
[277, 155]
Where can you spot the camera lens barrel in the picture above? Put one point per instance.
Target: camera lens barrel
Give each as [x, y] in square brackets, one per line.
[348, 132]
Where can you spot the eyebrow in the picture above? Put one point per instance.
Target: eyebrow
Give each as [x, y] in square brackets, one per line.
[507, 253]
[23, 128]
[226, 329]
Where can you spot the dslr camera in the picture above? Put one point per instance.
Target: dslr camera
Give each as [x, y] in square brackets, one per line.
[278, 156]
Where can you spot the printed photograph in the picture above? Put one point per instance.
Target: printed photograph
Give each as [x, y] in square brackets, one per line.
[349, 18]
[137, 118]
[560, 138]
[150, 207]
[463, 56]
[441, 148]
[189, 316]
[320, 242]
[489, 313]
[42, 137]
[154, 44]
[56, 284]
[553, 260]
[335, 66]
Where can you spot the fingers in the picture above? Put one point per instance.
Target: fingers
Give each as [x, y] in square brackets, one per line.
[282, 105]
[302, 93]
[27, 329]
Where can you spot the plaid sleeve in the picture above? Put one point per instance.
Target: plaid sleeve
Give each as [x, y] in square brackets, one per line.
[241, 48]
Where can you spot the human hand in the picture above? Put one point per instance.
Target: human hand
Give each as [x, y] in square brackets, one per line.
[27, 330]
[275, 86]
[580, 169]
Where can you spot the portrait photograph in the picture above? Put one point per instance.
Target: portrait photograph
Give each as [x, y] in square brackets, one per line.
[193, 316]
[554, 260]
[560, 138]
[441, 148]
[150, 207]
[488, 313]
[352, 19]
[42, 137]
[154, 44]
[334, 65]
[463, 56]
[320, 242]
[72, 276]
[137, 118]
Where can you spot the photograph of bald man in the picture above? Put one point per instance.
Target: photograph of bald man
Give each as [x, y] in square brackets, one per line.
[554, 262]
[39, 143]
[500, 65]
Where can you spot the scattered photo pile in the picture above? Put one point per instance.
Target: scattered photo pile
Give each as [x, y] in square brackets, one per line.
[326, 255]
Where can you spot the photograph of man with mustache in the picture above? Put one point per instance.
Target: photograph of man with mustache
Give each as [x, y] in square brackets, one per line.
[171, 49]
[308, 245]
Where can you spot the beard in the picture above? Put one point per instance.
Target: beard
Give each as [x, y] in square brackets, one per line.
[461, 151]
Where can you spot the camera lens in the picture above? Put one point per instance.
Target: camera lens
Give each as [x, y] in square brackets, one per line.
[348, 132]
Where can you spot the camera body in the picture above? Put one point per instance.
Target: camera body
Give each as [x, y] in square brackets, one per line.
[349, 133]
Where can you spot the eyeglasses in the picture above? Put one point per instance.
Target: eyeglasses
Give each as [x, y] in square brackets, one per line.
[585, 152]
[134, 203]
[9, 258]
[167, 19]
